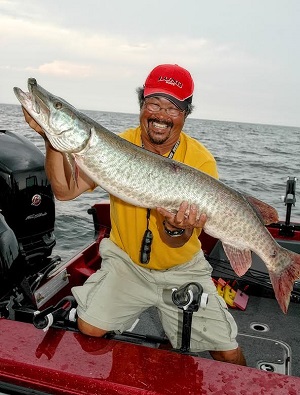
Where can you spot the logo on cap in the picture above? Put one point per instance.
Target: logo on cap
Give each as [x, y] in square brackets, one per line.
[171, 81]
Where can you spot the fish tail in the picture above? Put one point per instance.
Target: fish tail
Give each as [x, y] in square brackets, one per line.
[284, 281]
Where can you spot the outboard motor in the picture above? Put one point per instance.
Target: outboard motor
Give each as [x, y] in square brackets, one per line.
[9, 249]
[26, 204]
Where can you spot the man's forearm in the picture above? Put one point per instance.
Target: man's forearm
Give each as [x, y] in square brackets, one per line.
[59, 174]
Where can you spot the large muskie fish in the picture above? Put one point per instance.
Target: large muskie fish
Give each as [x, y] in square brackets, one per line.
[145, 179]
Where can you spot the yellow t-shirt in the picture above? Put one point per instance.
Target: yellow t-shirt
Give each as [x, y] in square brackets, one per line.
[130, 222]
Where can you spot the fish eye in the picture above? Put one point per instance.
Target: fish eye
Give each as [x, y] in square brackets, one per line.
[58, 105]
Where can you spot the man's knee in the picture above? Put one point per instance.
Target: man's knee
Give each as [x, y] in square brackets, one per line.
[235, 356]
[89, 329]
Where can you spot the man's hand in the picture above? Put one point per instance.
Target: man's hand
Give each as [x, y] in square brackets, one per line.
[187, 217]
[34, 125]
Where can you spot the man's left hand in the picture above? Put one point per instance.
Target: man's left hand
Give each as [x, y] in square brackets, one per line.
[187, 217]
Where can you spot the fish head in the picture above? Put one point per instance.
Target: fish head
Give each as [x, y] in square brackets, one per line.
[66, 130]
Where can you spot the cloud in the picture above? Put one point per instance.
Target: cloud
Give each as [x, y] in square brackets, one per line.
[236, 68]
[71, 45]
[63, 68]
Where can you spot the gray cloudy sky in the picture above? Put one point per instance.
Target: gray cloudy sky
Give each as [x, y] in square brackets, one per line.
[244, 55]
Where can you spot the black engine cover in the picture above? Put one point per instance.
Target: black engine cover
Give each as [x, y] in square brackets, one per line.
[26, 198]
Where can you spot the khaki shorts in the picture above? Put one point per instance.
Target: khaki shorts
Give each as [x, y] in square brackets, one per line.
[115, 296]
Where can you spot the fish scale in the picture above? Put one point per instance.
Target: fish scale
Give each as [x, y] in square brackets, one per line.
[148, 180]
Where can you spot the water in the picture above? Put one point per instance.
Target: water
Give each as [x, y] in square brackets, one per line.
[253, 158]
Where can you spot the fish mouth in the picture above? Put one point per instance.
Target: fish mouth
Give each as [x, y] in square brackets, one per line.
[40, 97]
[30, 100]
[37, 101]
[35, 104]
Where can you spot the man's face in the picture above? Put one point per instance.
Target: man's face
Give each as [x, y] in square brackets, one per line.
[161, 120]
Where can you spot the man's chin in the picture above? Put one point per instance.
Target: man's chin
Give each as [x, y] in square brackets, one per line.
[157, 139]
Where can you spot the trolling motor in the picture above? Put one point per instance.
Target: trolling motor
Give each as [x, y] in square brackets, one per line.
[188, 298]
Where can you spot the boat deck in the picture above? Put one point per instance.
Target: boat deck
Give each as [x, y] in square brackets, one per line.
[269, 338]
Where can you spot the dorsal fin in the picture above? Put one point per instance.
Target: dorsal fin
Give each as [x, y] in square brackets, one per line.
[267, 213]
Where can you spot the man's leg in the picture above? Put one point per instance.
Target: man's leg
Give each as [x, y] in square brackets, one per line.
[89, 329]
[113, 298]
[213, 327]
[235, 356]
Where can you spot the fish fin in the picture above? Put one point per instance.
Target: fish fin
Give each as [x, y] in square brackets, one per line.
[283, 283]
[267, 213]
[240, 260]
[74, 168]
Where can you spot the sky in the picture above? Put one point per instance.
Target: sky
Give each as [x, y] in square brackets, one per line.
[244, 55]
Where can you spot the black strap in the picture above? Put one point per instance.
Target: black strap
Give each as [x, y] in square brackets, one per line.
[170, 156]
[147, 238]
[148, 217]
[173, 150]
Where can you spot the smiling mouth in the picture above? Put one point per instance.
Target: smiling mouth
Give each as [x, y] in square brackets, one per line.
[160, 125]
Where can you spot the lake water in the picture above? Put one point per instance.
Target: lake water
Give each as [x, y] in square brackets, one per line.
[253, 158]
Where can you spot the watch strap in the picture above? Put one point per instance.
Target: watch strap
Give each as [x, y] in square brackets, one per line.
[173, 233]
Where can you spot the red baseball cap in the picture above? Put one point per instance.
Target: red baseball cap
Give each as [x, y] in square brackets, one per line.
[172, 82]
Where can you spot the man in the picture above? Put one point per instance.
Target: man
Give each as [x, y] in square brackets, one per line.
[151, 251]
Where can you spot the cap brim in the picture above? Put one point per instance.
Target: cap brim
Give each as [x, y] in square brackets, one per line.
[182, 105]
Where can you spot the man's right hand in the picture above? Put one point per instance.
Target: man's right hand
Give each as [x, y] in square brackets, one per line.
[58, 169]
[34, 125]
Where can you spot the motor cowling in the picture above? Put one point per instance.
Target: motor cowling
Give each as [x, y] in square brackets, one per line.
[9, 249]
[26, 199]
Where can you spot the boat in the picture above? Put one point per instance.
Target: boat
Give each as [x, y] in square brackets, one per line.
[41, 349]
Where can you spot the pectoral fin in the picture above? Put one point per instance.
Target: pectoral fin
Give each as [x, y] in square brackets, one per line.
[73, 166]
[240, 260]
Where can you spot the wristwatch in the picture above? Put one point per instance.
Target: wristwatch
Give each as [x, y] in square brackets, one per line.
[173, 233]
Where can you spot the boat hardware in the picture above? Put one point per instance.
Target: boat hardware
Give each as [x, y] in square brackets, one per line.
[188, 298]
[64, 311]
[290, 198]
[287, 229]
[256, 326]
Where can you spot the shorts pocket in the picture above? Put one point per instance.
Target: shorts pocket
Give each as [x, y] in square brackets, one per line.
[85, 293]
